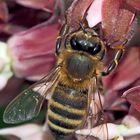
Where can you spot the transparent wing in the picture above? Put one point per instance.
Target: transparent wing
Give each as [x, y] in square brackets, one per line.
[96, 125]
[99, 129]
[28, 104]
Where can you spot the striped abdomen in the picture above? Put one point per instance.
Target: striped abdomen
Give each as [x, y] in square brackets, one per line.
[67, 109]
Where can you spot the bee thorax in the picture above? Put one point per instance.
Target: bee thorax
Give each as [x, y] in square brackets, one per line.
[78, 66]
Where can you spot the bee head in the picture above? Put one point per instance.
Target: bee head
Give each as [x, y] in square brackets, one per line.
[87, 41]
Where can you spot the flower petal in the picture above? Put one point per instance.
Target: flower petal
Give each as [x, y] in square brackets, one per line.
[98, 131]
[23, 131]
[134, 3]
[3, 11]
[116, 21]
[37, 4]
[113, 131]
[33, 51]
[5, 65]
[133, 97]
[130, 121]
[4, 16]
[76, 12]
[94, 13]
[120, 138]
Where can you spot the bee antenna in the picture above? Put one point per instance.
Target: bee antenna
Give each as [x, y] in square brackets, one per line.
[82, 26]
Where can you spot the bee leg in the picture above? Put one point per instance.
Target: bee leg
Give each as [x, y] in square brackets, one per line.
[63, 32]
[114, 63]
[120, 51]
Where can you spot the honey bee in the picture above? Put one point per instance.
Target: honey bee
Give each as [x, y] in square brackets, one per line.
[71, 84]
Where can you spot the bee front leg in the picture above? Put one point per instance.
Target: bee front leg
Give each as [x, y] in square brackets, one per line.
[114, 63]
[120, 51]
[64, 30]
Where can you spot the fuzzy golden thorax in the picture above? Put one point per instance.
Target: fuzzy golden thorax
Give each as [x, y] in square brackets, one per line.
[78, 68]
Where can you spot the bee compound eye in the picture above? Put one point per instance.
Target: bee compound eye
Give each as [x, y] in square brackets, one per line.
[95, 49]
[73, 42]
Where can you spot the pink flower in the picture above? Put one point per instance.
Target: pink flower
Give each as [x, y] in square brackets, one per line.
[32, 50]
[31, 132]
[39, 4]
[33, 45]
[3, 14]
[115, 17]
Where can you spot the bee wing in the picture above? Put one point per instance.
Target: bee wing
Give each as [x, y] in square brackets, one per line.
[28, 104]
[100, 120]
[99, 129]
[96, 118]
